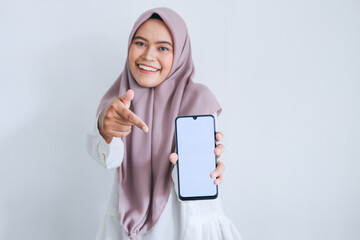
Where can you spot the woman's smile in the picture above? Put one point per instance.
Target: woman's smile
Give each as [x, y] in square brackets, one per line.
[147, 69]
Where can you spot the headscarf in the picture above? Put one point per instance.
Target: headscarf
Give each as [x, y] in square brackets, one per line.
[145, 173]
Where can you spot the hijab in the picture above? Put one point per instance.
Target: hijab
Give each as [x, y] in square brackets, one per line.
[144, 177]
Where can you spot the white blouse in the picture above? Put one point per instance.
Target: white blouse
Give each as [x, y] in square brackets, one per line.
[186, 220]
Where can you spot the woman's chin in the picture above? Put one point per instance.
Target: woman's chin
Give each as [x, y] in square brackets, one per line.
[148, 82]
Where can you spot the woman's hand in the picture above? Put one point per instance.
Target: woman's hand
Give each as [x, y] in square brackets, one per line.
[218, 172]
[116, 120]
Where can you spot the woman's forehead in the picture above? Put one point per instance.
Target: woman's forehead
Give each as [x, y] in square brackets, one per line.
[154, 29]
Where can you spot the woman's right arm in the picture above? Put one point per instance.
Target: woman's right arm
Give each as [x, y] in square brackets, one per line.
[104, 143]
[108, 155]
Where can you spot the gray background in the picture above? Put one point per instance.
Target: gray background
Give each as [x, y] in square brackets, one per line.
[286, 73]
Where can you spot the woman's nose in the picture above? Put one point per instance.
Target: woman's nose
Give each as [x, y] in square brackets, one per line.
[149, 54]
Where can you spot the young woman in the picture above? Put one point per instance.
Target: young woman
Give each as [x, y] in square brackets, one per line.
[135, 134]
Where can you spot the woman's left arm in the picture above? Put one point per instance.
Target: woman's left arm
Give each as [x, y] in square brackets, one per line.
[217, 174]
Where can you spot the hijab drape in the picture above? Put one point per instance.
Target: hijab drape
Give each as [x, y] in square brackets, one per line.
[145, 173]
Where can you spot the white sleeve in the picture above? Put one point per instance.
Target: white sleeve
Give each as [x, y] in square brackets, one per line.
[107, 155]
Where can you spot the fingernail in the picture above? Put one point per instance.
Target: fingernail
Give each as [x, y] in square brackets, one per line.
[145, 128]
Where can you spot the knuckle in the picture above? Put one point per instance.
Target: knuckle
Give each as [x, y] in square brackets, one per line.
[124, 134]
[116, 102]
[109, 113]
[126, 129]
[105, 123]
[130, 117]
[122, 128]
[123, 111]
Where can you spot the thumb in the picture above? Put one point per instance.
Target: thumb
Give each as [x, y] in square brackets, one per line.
[128, 96]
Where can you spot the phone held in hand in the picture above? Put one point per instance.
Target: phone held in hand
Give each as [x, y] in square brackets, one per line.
[195, 145]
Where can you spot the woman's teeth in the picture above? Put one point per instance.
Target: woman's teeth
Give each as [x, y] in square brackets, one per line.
[148, 68]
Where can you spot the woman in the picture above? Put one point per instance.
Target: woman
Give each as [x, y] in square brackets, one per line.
[155, 87]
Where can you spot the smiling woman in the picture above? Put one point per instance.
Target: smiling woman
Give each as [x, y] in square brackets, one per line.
[154, 88]
[151, 53]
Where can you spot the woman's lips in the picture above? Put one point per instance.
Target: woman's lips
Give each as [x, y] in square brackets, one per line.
[147, 69]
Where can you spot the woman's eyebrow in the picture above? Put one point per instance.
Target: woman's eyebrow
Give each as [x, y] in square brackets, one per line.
[164, 42]
[138, 37]
[144, 39]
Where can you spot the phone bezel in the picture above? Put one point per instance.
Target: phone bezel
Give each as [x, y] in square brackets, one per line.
[177, 163]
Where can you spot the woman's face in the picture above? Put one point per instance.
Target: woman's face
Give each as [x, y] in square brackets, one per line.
[151, 53]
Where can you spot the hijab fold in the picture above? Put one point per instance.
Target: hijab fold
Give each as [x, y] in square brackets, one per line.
[145, 173]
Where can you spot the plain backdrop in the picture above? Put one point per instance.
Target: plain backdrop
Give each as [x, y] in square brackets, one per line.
[287, 74]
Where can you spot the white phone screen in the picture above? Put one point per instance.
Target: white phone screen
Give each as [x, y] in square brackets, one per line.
[195, 139]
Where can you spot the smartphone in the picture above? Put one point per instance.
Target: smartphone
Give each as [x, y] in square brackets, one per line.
[195, 145]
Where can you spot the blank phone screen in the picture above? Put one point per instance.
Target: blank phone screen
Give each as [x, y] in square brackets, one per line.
[195, 139]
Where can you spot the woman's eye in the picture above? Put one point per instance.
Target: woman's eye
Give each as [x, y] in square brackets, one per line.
[140, 44]
[163, 49]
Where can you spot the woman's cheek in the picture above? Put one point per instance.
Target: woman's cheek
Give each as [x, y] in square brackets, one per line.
[169, 62]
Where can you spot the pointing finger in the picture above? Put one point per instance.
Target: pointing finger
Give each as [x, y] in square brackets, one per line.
[132, 118]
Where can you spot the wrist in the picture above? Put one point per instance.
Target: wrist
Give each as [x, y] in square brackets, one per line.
[106, 137]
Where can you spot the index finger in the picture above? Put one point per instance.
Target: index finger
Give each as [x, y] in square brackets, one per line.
[134, 119]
